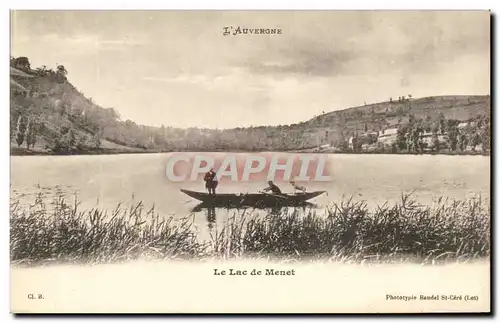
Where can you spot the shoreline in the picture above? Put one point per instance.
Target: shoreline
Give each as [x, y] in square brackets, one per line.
[25, 152]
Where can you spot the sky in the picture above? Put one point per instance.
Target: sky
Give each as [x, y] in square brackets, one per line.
[177, 68]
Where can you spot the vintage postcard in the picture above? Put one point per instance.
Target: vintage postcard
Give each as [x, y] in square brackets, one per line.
[170, 161]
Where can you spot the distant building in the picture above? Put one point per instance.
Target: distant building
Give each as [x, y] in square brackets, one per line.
[325, 146]
[478, 148]
[464, 125]
[388, 136]
[389, 131]
[427, 138]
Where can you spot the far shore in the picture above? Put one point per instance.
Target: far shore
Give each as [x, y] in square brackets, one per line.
[15, 151]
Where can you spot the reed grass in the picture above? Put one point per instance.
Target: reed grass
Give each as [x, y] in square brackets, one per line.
[447, 230]
[63, 233]
[350, 231]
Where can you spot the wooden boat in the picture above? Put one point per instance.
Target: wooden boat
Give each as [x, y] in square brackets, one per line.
[252, 199]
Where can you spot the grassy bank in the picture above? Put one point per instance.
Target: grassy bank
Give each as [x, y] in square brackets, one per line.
[349, 231]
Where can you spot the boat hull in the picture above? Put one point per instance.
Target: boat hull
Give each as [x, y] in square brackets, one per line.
[252, 199]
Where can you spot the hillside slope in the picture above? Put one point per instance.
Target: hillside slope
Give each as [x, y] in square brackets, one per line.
[60, 118]
[384, 115]
[48, 110]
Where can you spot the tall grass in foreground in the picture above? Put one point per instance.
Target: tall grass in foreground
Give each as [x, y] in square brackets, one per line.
[406, 231]
[349, 231]
[64, 233]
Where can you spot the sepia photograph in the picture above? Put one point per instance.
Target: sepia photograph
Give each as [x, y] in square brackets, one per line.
[239, 161]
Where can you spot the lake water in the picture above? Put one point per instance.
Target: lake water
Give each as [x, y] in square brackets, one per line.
[106, 180]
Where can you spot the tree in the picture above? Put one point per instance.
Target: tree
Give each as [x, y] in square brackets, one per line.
[356, 143]
[411, 119]
[409, 141]
[20, 128]
[29, 134]
[41, 71]
[68, 142]
[82, 142]
[453, 137]
[485, 139]
[56, 145]
[61, 70]
[462, 141]
[343, 144]
[474, 140]
[401, 138]
[22, 63]
[159, 137]
[417, 136]
[435, 139]
[428, 124]
[61, 73]
[97, 141]
[442, 123]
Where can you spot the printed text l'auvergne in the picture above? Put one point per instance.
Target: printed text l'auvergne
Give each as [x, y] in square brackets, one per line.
[230, 30]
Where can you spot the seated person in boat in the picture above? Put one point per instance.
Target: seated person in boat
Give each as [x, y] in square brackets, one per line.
[273, 188]
[211, 182]
[297, 187]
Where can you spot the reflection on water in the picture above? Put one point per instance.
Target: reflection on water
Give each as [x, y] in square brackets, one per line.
[211, 217]
[211, 211]
[205, 206]
[104, 181]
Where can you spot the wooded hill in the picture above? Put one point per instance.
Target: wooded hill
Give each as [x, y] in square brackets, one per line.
[50, 115]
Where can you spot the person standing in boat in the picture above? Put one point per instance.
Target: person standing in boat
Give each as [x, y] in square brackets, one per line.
[273, 188]
[211, 181]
